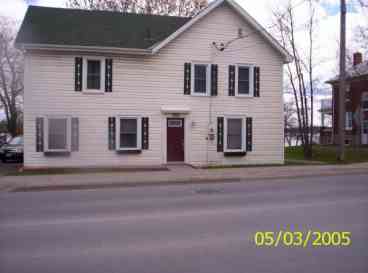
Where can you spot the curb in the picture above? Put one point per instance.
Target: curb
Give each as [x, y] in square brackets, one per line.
[189, 181]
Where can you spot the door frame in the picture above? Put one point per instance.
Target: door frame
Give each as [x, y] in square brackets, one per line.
[187, 133]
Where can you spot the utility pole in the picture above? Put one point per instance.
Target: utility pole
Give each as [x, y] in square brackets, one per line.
[342, 84]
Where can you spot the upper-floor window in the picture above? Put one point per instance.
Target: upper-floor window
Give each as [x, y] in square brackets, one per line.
[244, 80]
[365, 103]
[201, 79]
[94, 74]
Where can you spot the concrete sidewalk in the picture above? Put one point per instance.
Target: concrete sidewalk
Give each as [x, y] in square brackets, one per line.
[175, 175]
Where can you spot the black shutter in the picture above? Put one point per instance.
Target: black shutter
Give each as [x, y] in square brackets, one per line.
[231, 80]
[145, 134]
[108, 75]
[249, 139]
[39, 134]
[256, 81]
[78, 73]
[112, 131]
[214, 72]
[187, 76]
[75, 135]
[220, 134]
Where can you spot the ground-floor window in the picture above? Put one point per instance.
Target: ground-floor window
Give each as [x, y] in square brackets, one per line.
[129, 133]
[58, 133]
[235, 134]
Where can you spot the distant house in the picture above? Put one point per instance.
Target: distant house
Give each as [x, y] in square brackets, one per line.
[356, 125]
[117, 89]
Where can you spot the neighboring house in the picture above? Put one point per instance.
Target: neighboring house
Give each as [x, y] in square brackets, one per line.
[111, 89]
[356, 124]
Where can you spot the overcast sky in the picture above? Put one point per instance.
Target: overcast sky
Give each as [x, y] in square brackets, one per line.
[327, 34]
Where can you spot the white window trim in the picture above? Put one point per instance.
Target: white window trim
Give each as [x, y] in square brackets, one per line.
[68, 133]
[251, 80]
[347, 127]
[244, 133]
[139, 133]
[85, 68]
[208, 79]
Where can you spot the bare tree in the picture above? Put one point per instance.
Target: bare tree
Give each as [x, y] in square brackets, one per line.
[161, 7]
[301, 79]
[361, 32]
[11, 76]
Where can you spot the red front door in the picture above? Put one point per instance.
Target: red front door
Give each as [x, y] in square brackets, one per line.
[175, 139]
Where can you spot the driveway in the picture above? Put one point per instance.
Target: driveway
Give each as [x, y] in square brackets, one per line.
[186, 228]
[6, 168]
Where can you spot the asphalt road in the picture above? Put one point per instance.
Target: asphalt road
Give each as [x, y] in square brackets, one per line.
[192, 228]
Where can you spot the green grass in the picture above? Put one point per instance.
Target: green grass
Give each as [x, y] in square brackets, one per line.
[327, 154]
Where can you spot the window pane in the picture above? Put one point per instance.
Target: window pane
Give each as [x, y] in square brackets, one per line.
[243, 80]
[128, 133]
[243, 73]
[234, 134]
[200, 86]
[200, 77]
[128, 140]
[57, 135]
[93, 74]
[243, 87]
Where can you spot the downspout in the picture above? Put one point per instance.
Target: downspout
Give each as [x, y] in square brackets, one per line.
[209, 126]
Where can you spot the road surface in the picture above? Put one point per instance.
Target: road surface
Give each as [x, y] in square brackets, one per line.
[187, 228]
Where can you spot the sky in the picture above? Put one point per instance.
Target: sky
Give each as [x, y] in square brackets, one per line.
[327, 35]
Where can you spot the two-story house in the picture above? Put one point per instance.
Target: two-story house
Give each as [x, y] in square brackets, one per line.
[118, 89]
[356, 121]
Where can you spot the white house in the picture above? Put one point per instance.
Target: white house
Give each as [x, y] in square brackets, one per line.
[111, 89]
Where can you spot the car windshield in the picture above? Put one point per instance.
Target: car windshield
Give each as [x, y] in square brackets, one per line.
[16, 141]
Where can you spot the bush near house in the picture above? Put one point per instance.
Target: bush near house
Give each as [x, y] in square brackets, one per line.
[327, 154]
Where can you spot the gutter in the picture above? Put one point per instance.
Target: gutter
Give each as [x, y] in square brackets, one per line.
[99, 49]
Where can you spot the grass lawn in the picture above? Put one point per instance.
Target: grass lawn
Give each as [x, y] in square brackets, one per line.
[327, 154]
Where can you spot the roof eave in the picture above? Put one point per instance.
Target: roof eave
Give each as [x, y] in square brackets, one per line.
[111, 50]
[351, 78]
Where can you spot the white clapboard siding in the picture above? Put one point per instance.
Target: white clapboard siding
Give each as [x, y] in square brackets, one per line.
[142, 85]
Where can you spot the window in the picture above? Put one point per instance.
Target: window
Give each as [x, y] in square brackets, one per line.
[175, 123]
[129, 133]
[93, 74]
[349, 121]
[234, 134]
[58, 134]
[244, 82]
[365, 127]
[365, 105]
[200, 79]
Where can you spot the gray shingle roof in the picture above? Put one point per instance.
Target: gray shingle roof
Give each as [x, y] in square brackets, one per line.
[73, 27]
[353, 72]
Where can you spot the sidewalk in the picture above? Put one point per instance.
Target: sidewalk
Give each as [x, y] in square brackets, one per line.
[176, 175]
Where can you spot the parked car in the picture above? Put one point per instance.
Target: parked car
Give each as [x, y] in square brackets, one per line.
[13, 150]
